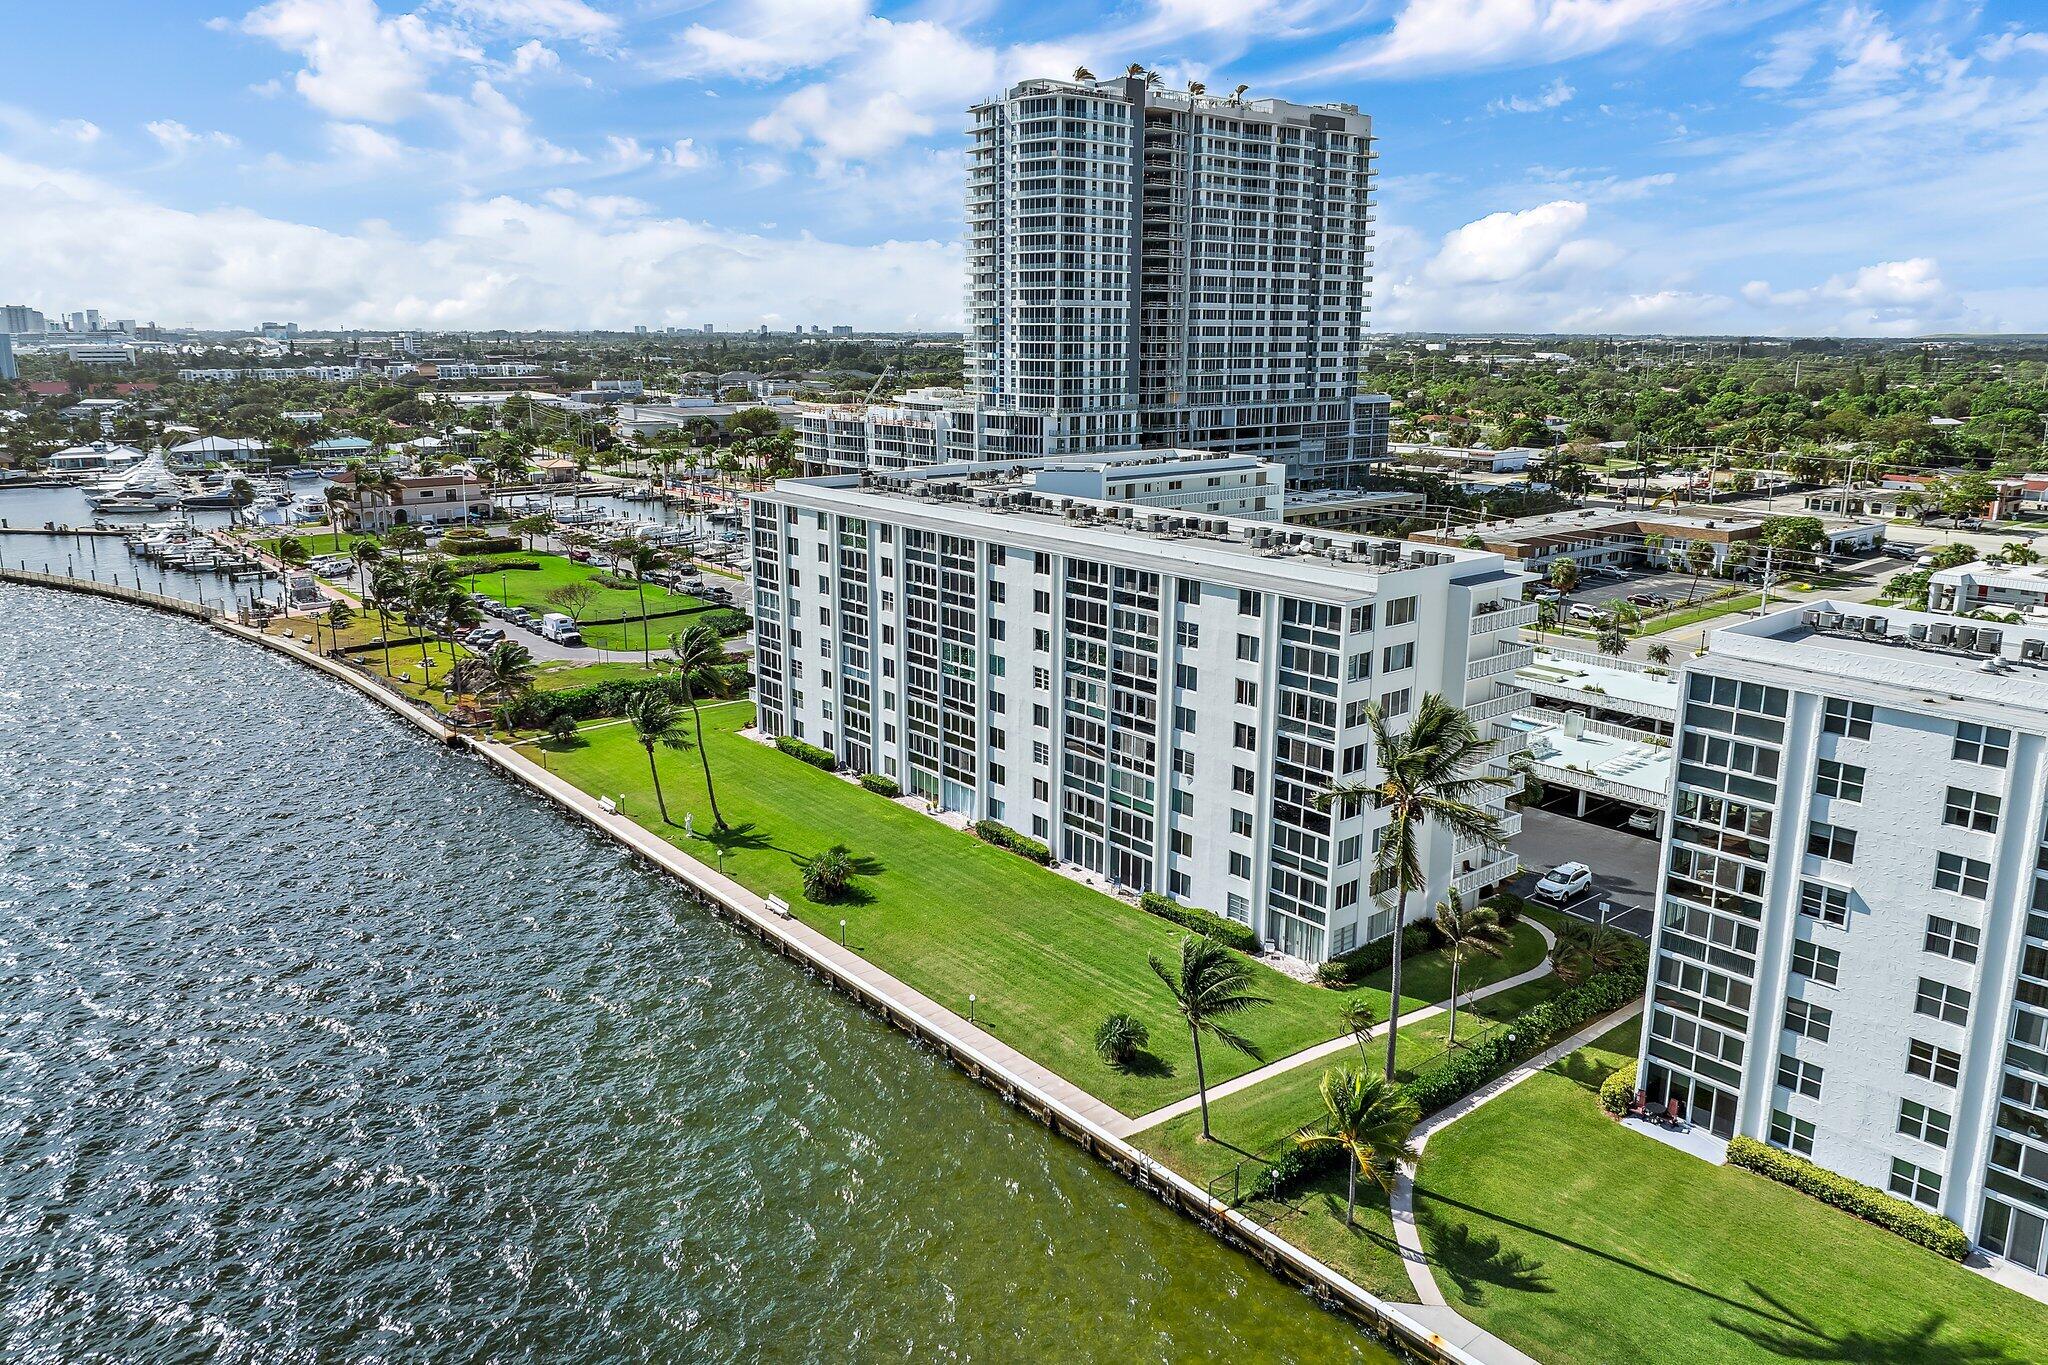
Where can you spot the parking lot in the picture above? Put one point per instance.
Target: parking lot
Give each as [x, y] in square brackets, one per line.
[1600, 591]
[1624, 866]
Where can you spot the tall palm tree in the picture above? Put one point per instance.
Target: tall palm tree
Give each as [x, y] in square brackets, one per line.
[386, 595]
[1699, 557]
[1428, 775]
[367, 553]
[404, 538]
[644, 559]
[1465, 931]
[698, 658]
[1613, 639]
[654, 722]
[1585, 950]
[1564, 576]
[1370, 1119]
[1209, 984]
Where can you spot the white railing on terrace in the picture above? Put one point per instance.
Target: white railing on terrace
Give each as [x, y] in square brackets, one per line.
[1506, 659]
[1505, 618]
[1469, 884]
[1592, 660]
[1594, 727]
[1508, 825]
[1578, 779]
[1506, 704]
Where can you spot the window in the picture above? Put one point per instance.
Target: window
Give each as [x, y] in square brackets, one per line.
[1971, 810]
[1248, 648]
[1794, 1135]
[1184, 718]
[1354, 713]
[1041, 790]
[1354, 758]
[1041, 601]
[1936, 1064]
[1947, 938]
[1400, 611]
[1809, 1021]
[1247, 692]
[1184, 762]
[1395, 703]
[1185, 677]
[1344, 939]
[1241, 823]
[1849, 718]
[1361, 619]
[1245, 737]
[1183, 843]
[1183, 802]
[1041, 716]
[1187, 591]
[1828, 904]
[1985, 744]
[1950, 1004]
[1801, 1078]
[1249, 603]
[1831, 842]
[1241, 865]
[1816, 963]
[1189, 634]
[1916, 1120]
[1041, 828]
[1916, 1183]
[1348, 849]
[1843, 781]
[1241, 779]
[1180, 883]
[1237, 907]
[1358, 667]
[1396, 657]
[1964, 876]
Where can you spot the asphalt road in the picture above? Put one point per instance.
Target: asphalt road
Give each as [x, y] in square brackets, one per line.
[1624, 865]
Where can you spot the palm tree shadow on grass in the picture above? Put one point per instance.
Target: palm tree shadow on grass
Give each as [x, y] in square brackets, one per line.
[1808, 1340]
[1472, 1261]
[734, 838]
[1582, 1071]
[1145, 1063]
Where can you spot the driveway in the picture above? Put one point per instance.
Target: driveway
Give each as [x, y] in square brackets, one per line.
[1624, 865]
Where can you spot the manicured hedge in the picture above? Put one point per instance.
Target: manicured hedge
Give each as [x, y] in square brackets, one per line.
[727, 622]
[477, 543]
[1227, 932]
[809, 753]
[1460, 1074]
[1368, 958]
[1618, 1091]
[532, 710]
[880, 785]
[1002, 836]
[1909, 1221]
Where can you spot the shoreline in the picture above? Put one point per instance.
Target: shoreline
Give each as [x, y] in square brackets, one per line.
[1398, 1326]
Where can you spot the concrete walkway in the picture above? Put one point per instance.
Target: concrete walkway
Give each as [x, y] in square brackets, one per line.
[1402, 1201]
[1124, 1127]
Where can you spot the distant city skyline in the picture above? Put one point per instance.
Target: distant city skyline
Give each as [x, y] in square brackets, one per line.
[1778, 167]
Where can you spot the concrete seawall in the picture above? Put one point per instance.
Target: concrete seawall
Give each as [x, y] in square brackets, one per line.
[1061, 1107]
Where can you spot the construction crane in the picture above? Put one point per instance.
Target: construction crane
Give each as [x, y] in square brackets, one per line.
[876, 387]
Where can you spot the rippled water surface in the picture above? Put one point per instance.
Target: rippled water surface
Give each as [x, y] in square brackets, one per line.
[319, 1042]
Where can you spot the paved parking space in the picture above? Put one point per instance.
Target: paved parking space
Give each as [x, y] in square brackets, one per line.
[1624, 864]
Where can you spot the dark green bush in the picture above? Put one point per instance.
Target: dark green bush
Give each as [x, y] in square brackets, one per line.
[469, 541]
[880, 785]
[1367, 958]
[1002, 836]
[809, 753]
[726, 621]
[1119, 1039]
[1509, 907]
[1227, 932]
[1459, 1074]
[532, 710]
[1618, 1091]
[1909, 1221]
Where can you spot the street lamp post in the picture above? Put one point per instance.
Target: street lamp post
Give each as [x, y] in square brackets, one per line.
[970, 1007]
[842, 932]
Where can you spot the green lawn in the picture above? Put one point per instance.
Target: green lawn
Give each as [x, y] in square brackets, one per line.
[1706, 611]
[560, 677]
[529, 588]
[948, 914]
[1262, 1119]
[1583, 1242]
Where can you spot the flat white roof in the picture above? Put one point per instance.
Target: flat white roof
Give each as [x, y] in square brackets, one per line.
[1636, 764]
[1612, 686]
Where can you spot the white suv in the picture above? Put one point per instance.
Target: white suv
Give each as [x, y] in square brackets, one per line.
[1564, 881]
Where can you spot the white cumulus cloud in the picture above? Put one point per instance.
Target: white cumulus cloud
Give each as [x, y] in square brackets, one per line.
[175, 138]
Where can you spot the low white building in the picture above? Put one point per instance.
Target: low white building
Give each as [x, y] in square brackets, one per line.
[1179, 480]
[1466, 459]
[417, 500]
[1159, 697]
[1985, 586]
[93, 458]
[1851, 955]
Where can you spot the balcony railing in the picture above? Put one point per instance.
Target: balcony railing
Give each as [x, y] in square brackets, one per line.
[1506, 704]
[1506, 659]
[1504, 618]
[1470, 884]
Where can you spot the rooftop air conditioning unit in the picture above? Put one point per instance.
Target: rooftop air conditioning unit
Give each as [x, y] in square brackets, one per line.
[1852, 624]
[1875, 625]
[1917, 632]
[1941, 635]
[2037, 650]
[1831, 620]
[1989, 641]
[1809, 619]
[1966, 638]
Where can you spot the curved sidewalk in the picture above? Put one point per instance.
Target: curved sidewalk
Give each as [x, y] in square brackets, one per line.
[1124, 1127]
[1402, 1201]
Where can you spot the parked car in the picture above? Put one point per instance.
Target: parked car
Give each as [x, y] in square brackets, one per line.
[1548, 594]
[1564, 881]
[1655, 601]
[1641, 822]
[560, 628]
[483, 637]
[1588, 614]
[580, 556]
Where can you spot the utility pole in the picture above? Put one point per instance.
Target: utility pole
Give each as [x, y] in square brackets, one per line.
[1764, 605]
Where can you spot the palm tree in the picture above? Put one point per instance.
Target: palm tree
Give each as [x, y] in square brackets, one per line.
[386, 595]
[654, 722]
[699, 662]
[1370, 1120]
[644, 559]
[827, 875]
[1660, 653]
[367, 553]
[1426, 776]
[1357, 1018]
[1564, 576]
[405, 537]
[1546, 617]
[1464, 931]
[338, 617]
[1584, 950]
[1699, 557]
[1209, 984]
[1613, 639]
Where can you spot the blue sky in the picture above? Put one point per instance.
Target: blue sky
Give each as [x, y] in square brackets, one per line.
[1761, 166]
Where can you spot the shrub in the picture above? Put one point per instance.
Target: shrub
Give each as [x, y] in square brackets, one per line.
[880, 785]
[532, 710]
[562, 729]
[1368, 958]
[1119, 1038]
[809, 753]
[1909, 1221]
[829, 875]
[1509, 907]
[1002, 836]
[1618, 1091]
[469, 541]
[727, 622]
[1227, 932]
[1528, 1033]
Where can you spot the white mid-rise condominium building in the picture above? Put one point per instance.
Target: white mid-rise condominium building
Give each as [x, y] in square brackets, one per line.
[1851, 958]
[1151, 267]
[1158, 694]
